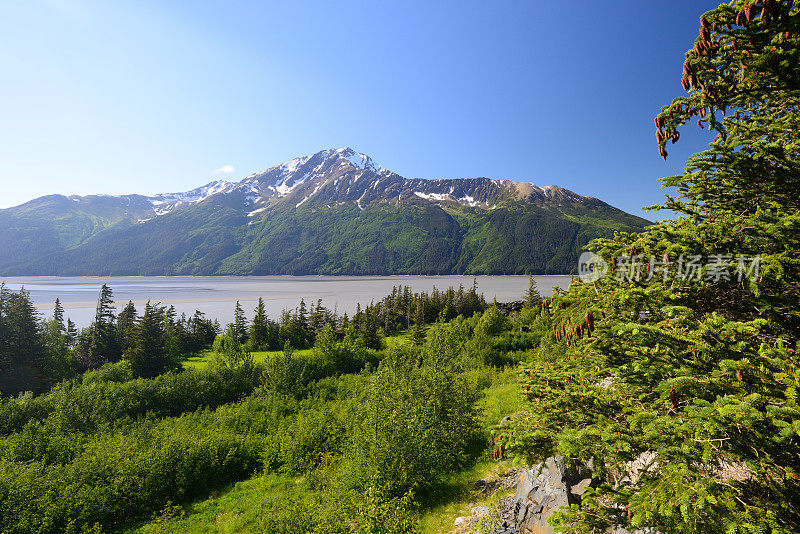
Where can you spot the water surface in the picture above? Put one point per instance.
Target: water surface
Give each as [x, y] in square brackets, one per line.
[216, 296]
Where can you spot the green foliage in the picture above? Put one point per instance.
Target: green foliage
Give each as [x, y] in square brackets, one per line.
[334, 357]
[420, 423]
[286, 374]
[700, 376]
[148, 357]
[23, 353]
[264, 333]
[418, 332]
[229, 349]
[103, 345]
[104, 449]
[110, 395]
[532, 297]
[414, 237]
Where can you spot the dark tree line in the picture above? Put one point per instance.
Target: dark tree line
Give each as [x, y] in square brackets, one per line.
[401, 310]
[37, 352]
[153, 342]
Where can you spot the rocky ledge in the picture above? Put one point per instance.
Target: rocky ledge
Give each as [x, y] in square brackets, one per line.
[541, 491]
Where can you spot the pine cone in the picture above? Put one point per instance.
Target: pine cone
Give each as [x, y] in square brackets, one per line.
[748, 12]
[673, 397]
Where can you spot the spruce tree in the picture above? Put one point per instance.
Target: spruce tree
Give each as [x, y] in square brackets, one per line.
[57, 364]
[126, 327]
[58, 316]
[22, 348]
[103, 344]
[23, 337]
[371, 333]
[259, 332]
[318, 316]
[418, 332]
[148, 357]
[5, 352]
[72, 333]
[697, 373]
[239, 323]
[532, 296]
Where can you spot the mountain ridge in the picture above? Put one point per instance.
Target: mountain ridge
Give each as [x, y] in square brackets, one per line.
[226, 227]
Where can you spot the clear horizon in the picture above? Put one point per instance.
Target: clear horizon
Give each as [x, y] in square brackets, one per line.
[147, 98]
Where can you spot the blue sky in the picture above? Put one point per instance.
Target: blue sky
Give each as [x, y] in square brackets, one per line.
[146, 97]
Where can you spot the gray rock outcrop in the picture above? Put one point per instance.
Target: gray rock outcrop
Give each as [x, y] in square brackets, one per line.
[545, 488]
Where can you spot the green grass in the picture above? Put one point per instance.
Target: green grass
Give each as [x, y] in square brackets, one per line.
[461, 494]
[502, 398]
[201, 360]
[400, 338]
[204, 358]
[239, 508]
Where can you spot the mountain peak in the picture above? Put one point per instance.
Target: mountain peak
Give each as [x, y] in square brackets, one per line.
[359, 160]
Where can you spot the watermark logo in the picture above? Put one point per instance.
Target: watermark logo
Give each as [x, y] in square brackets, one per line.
[715, 268]
[591, 267]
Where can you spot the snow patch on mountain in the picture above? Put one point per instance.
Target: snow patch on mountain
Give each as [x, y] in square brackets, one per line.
[291, 166]
[256, 212]
[166, 202]
[471, 202]
[433, 196]
[360, 161]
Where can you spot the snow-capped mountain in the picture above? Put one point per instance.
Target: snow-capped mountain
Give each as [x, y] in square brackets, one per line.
[334, 212]
[338, 176]
[344, 175]
[166, 202]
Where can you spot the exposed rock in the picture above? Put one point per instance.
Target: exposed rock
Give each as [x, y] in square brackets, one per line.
[581, 487]
[479, 511]
[543, 490]
[646, 462]
[461, 521]
[509, 418]
[547, 487]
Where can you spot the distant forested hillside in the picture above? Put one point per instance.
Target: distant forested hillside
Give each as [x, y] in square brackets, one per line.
[417, 238]
[332, 213]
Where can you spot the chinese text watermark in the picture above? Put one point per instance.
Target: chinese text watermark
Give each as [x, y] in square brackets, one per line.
[714, 268]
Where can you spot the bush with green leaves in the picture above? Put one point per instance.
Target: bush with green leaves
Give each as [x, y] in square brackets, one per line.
[105, 397]
[420, 423]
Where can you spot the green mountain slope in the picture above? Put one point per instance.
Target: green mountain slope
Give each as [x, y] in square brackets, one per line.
[418, 238]
[335, 212]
